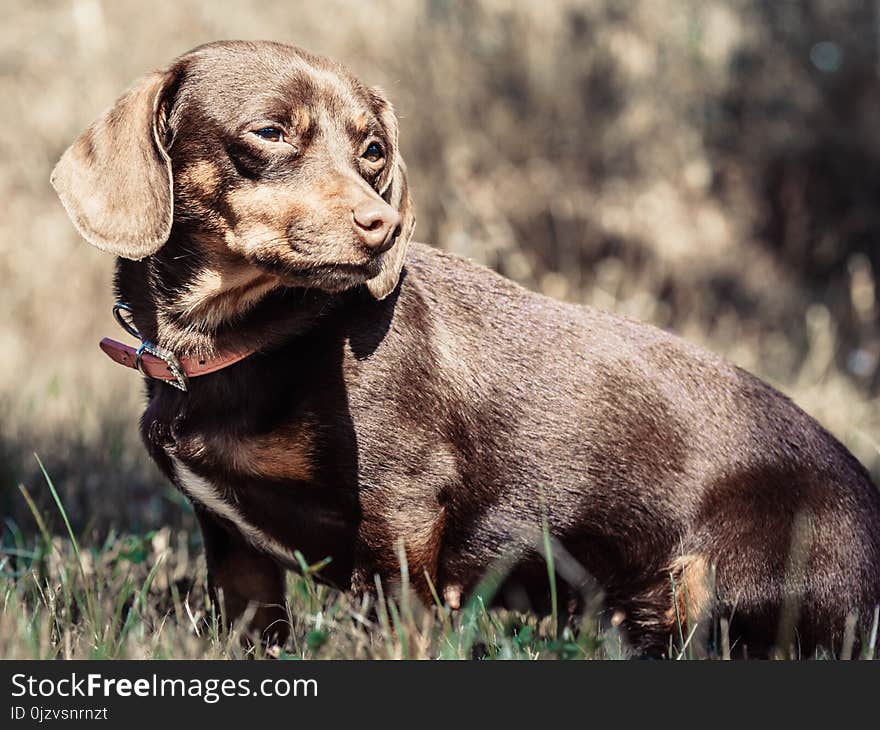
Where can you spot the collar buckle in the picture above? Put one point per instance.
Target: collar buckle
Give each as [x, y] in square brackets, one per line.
[181, 382]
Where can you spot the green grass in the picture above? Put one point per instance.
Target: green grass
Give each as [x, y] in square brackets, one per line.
[145, 596]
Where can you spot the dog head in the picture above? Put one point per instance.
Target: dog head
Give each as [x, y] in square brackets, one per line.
[273, 164]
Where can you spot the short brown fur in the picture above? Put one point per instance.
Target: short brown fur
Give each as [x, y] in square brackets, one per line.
[401, 398]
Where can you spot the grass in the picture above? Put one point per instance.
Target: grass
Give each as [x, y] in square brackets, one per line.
[572, 145]
[134, 607]
[145, 596]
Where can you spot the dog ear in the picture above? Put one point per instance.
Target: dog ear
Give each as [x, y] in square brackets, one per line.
[115, 180]
[393, 188]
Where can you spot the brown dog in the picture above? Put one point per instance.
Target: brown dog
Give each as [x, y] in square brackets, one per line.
[350, 400]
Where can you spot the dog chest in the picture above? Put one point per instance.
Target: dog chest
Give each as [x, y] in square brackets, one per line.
[271, 505]
[211, 497]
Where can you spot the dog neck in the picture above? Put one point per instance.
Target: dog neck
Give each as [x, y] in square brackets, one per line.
[193, 306]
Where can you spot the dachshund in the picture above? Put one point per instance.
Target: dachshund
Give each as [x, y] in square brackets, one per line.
[318, 383]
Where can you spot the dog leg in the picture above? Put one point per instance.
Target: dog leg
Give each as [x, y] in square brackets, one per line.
[242, 580]
[378, 552]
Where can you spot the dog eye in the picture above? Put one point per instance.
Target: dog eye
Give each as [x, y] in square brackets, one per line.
[374, 152]
[270, 134]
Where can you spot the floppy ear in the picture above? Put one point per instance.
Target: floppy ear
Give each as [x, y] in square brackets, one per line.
[394, 190]
[115, 179]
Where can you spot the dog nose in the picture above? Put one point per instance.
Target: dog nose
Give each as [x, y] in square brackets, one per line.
[376, 224]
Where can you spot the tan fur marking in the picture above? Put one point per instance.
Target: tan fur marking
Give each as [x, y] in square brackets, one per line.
[261, 203]
[245, 239]
[360, 123]
[303, 121]
[202, 176]
[423, 543]
[265, 214]
[282, 454]
[218, 295]
[422, 540]
[452, 596]
[694, 590]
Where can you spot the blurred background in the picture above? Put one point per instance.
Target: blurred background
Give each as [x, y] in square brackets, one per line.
[712, 167]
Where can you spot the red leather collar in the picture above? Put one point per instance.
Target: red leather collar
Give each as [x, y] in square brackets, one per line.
[160, 364]
[156, 367]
